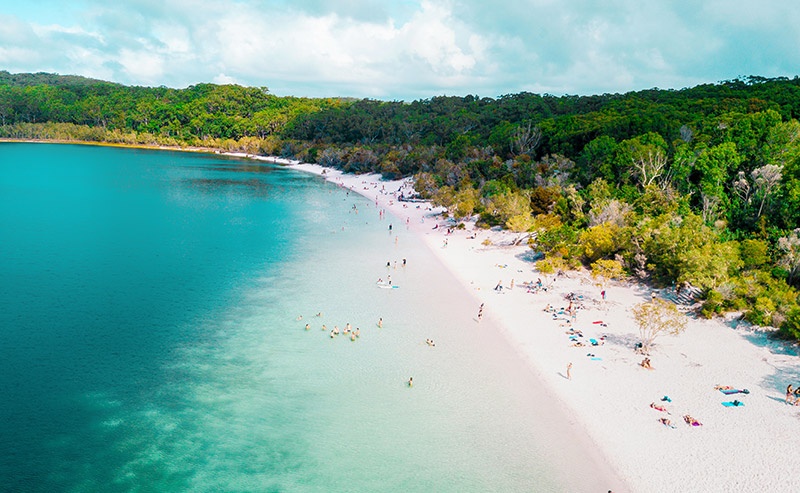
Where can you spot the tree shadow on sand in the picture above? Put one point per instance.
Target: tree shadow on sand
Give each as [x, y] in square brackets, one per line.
[784, 357]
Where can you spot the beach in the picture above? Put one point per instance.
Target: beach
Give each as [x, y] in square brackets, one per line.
[608, 395]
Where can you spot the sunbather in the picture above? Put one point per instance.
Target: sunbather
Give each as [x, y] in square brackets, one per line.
[666, 422]
[659, 407]
[691, 421]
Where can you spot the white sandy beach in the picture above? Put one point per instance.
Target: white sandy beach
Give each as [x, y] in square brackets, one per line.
[747, 448]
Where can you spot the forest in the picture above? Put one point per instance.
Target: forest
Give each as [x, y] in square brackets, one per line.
[697, 187]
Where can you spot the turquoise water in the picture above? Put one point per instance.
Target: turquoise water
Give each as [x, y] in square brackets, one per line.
[150, 341]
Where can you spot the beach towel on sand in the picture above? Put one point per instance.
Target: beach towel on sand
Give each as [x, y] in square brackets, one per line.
[734, 391]
[733, 404]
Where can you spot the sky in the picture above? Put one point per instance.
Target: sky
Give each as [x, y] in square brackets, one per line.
[405, 49]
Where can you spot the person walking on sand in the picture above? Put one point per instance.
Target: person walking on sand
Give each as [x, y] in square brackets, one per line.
[569, 371]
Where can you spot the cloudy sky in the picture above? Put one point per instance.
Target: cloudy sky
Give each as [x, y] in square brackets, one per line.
[405, 49]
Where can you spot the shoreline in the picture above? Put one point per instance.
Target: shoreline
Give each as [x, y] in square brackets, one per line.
[749, 448]
[609, 393]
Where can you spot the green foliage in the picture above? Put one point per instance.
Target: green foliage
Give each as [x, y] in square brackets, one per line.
[712, 305]
[465, 202]
[791, 327]
[511, 209]
[754, 253]
[599, 241]
[657, 318]
[605, 270]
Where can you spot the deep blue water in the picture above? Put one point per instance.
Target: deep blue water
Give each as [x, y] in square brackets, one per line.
[150, 341]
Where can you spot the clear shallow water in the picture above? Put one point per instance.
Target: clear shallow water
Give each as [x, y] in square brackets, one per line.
[149, 338]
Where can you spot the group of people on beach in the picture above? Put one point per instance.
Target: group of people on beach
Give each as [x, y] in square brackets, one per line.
[688, 419]
[793, 395]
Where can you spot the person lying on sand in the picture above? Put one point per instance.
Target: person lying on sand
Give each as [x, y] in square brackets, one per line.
[659, 407]
[691, 421]
[723, 387]
[666, 422]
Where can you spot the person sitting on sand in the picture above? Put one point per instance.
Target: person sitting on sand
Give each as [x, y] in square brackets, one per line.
[691, 421]
[789, 392]
[797, 396]
[646, 364]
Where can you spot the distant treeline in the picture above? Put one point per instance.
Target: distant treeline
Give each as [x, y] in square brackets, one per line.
[696, 186]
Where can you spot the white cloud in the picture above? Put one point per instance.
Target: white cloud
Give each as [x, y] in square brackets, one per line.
[410, 48]
[224, 79]
[144, 65]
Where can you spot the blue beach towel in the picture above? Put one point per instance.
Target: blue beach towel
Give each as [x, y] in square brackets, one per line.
[734, 391]
[597, 358]
[733, 404]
